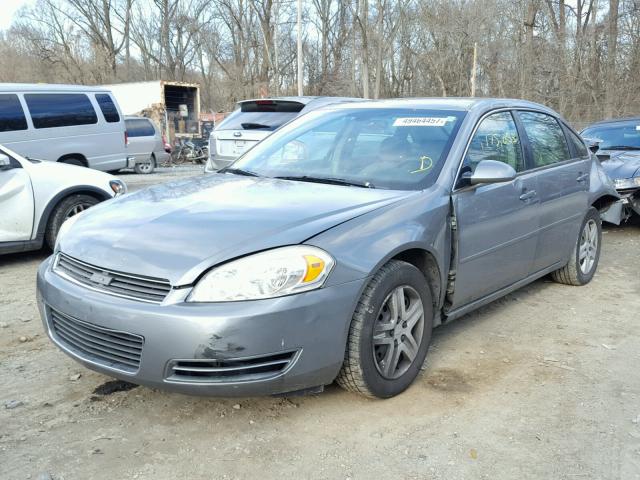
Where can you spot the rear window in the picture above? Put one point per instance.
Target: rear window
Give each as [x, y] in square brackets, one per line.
[261, 115]
[139, 128]
[11, 114]
[50, 110]
[108, 108]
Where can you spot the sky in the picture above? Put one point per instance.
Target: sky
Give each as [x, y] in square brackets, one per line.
[8, 8]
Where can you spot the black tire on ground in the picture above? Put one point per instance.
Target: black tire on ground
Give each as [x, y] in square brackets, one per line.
[363, 363]
[580, 271]
[73, 161]
[147, 167]
[68, 207]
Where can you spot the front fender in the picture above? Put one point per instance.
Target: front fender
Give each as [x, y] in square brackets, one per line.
[362, 245]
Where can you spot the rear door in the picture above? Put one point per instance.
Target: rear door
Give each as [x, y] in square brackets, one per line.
[563, 185]
[252, 121]
[16, 203]
[497, 224]
[141, 138]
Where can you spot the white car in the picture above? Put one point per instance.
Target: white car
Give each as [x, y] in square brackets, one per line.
[36, 197]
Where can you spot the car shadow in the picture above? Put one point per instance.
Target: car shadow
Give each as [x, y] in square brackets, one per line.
[22, 257]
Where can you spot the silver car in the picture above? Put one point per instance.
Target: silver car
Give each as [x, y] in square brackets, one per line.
[329, 251]
[146, 144]
[253, 121]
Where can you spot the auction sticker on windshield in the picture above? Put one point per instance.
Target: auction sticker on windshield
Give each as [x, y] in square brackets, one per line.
[420, 122]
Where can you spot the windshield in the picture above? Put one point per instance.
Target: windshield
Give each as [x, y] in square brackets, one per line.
[401, 149]
[616, 136]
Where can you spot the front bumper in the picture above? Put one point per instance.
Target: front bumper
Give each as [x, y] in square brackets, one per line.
[311, 327]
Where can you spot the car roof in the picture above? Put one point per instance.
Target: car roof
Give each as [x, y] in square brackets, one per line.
[304, 99]
[49, 87]
[614, 120]
[448, 103]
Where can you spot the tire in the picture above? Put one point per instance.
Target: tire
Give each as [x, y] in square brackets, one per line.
[68, 207]
[73, 161]
[580, 271]
[147, 167]
[365, 369]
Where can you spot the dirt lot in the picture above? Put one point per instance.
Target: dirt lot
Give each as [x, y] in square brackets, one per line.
[541, 384]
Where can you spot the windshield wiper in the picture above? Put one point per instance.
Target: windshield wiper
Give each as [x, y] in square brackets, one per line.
[254, 126]
[328, 180]
[621, 147]
[239, 171]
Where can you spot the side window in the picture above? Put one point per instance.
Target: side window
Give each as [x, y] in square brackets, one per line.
[50, 110]
[108, 108]
[11, 114]
[495, 139]
[578, 145]
[548, 144]
[139, 128]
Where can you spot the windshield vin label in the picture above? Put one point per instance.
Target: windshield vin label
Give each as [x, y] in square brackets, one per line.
[420, 122]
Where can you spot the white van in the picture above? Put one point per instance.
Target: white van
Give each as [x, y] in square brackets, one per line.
[64, 123]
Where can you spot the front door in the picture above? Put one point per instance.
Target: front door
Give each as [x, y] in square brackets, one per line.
[16, 203]
[497, 224]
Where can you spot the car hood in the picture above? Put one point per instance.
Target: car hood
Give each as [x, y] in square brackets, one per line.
[621, 164]
[63, 175]
[179, 229]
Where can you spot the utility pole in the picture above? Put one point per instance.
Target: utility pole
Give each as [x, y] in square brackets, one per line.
[300, 62]
[473, 70]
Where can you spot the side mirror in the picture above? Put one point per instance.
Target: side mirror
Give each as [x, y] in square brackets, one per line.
[5, 162]
[593, 144]
[491, 171]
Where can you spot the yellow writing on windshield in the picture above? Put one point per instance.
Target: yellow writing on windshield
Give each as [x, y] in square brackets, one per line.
[425, 164]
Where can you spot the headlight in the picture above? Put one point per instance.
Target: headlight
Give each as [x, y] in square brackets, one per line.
[118, 187]
[269, 274]
[64, 228]
[627, 182]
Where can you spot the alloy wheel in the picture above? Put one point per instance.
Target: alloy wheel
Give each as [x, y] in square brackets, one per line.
[397, 332]
[588, 246]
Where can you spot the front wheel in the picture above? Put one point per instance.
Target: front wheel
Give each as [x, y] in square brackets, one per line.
[389, 333]
[584, 259]
[67, 208]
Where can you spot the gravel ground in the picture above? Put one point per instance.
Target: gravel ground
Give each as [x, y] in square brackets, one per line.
[541, 384]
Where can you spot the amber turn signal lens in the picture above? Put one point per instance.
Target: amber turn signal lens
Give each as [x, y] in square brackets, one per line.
[315, 266]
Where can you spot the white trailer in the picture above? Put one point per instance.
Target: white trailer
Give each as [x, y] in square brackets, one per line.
[174, 106]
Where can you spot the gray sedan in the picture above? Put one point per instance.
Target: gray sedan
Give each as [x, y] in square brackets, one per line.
[329, 251]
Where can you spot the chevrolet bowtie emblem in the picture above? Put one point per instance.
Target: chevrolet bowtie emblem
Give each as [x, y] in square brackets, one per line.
[101, 278]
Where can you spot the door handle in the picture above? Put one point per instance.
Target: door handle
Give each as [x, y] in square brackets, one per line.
[582, 177]
[528, 195]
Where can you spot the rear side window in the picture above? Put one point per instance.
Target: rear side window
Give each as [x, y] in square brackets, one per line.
[108, 108]
[50, 110]
[578, 145]
[495, 139]
[548, 144]
[139, 128]
[11, 114]
[265, 115]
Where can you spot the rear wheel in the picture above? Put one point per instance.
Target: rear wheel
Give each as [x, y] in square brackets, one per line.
[389, 333]
[67, 208]
[584, 259]
[147, 167]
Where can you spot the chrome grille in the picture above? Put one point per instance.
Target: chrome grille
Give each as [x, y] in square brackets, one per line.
[111, 348]
[136, 287]
[227, 370]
